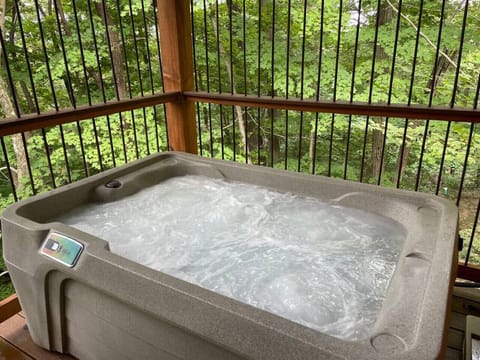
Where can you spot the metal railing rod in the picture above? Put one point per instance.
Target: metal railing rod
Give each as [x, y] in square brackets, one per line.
[140, 80]
[45, 54]
[420, 112]
[370, 90]
[442, 161]
[319, 78]
[335, 83]
[352, 85]
[207, 75]
[100, 76]
[232, 77]
[272, 70]
[459, 58]
[195, 72]
[259, 77]
[30, 122]
[129, 83]
[465, 162]
[157, 45]
[390, 89]
[17, 107]
[302, 85]
[150, 72]
[472, 236]
[29, 165]
[85, 75]
[287, 75]
[97, 143]
[49, 158]
[217, 20]
[245, 90]
[410, 94]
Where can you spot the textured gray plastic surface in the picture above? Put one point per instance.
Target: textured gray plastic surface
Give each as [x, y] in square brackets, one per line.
[108, 307]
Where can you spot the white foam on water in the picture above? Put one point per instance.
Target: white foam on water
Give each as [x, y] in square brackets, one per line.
[321, 265]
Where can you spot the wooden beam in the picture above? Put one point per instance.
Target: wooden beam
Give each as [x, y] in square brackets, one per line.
[37, 121]
[420, 112]
[9, 307]
[177, 65]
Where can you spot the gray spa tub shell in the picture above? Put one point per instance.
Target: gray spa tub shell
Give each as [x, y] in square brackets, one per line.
[108, 307]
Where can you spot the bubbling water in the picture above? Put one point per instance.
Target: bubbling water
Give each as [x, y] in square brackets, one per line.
[321, 265]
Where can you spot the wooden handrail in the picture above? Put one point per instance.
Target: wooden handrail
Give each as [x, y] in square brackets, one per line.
[30, 122]
[421, 112]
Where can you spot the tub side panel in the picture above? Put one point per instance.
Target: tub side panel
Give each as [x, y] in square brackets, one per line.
[110, 326]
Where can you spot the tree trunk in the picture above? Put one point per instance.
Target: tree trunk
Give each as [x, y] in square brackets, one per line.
[21, 170]
[63, 19]
[6, 103]
[116, 49]
[403, 154]
[385, 15]
[377, 146]
[238, 109]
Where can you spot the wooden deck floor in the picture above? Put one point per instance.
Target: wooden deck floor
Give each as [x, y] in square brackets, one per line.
[16, 343]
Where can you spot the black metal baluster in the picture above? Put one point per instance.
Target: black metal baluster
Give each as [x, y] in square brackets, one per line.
[115, 80]
[219, 76]
[29, 165]
[287, 74]
[140, 78]
[245, 110]
[16, 105]
[161, 70]
[390, 88]
[102, 84]
[259, 71]
[140, 82]
[465, 162]
[150, 72]
[232, 86]
[194, 50]
[129, 83]
[302, 84]
[410, 93]
[49, 160]
[370, 91]
[352, 86]
[454, 93]
[272, 84]
[87, 87]
[207, 65]
[319, 77]
[45, 55]
[472, 236]
[432, 88]
[335, 80]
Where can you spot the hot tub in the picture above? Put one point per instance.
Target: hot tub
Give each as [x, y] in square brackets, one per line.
[82, 296]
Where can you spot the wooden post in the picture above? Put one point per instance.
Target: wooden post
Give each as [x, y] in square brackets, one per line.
[177, 64]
